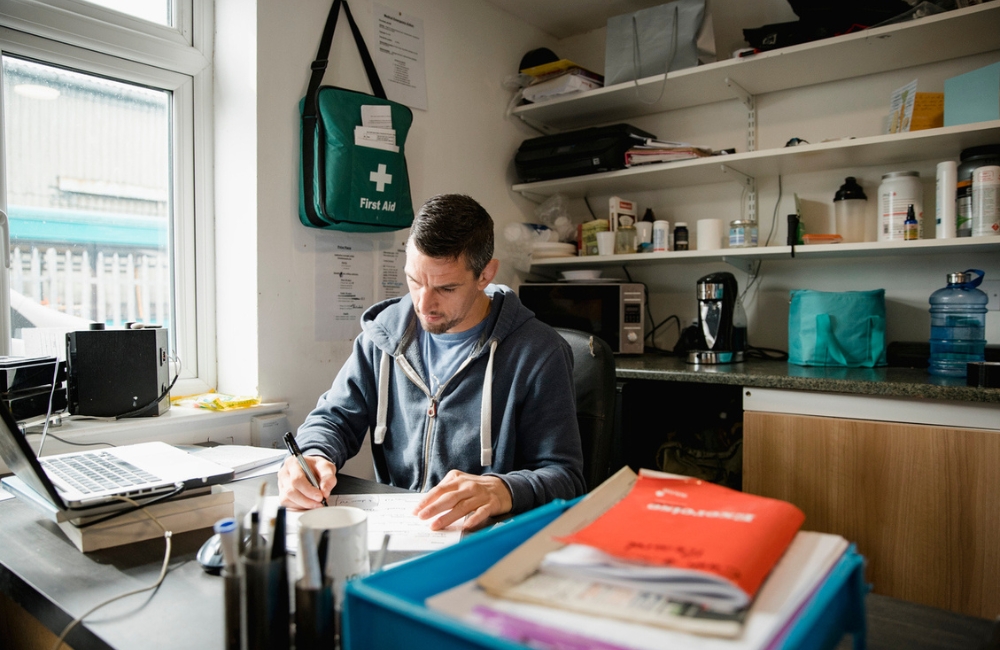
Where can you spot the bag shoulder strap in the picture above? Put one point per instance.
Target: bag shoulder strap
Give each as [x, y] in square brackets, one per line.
[322, 56]
[310, 109]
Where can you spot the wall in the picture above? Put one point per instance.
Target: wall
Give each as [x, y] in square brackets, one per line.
[462, 143]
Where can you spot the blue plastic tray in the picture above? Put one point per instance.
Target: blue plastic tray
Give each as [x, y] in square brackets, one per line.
[386, 610]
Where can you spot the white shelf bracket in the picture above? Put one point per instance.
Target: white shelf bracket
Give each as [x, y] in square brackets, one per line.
[751, 104]
[749, 183]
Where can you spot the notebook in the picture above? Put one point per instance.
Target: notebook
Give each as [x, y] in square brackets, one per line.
[84, 480]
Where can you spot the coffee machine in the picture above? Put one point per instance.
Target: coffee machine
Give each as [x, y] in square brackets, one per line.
[721, 339]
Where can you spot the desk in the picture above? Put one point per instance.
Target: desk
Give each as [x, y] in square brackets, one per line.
[44, 573]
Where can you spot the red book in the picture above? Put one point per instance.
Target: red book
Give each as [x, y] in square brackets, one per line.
[674, 525]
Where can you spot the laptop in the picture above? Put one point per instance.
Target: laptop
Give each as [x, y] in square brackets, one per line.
[84, 482]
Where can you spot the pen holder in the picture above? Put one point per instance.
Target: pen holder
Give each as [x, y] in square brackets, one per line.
[232, 593]
[314, 617]
[266, 609]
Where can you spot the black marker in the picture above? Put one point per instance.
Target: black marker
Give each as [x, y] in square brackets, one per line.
[294, 450]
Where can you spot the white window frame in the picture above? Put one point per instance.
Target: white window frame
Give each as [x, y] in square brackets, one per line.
[92, 39]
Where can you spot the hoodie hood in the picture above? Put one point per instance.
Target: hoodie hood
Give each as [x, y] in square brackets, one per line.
[392, 324]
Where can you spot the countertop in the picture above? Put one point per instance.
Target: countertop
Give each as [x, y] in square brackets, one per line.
[888, 382]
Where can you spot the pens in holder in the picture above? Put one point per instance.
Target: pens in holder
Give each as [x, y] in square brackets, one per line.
[294, 450]
[228, 533]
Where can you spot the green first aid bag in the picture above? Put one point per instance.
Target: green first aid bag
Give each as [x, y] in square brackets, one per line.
[831, 328]
[344, 185]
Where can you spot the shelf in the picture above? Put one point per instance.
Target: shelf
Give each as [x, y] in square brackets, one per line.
[900, 148]
[941, 37]
[740, 257]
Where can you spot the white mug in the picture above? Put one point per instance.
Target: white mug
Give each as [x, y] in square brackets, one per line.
[347, 548]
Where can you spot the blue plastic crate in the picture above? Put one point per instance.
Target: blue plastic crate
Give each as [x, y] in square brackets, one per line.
[386, 610]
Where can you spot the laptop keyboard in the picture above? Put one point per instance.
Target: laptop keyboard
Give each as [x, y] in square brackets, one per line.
[98, 472]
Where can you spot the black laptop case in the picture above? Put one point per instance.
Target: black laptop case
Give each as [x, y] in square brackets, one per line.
[574, 153]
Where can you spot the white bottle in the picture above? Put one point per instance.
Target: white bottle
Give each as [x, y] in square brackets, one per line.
[661, 235]
[947, 183]
[986, 201]
[898, 191]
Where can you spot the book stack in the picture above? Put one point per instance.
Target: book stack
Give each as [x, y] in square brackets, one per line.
[562, 77]
[654, 561]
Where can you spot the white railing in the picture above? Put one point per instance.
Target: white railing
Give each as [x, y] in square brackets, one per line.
[113, 289]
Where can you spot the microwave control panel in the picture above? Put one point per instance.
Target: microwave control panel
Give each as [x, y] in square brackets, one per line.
[633, 299]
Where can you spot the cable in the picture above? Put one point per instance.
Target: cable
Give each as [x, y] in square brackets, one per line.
[586, 201]
[48, 413]
[167, 535]
[754, 274]
[142, 408]
[73, 444]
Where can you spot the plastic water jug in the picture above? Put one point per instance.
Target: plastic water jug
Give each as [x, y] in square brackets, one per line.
[958, 324]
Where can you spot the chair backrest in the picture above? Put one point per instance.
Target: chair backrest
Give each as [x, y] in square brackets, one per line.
[594, 381]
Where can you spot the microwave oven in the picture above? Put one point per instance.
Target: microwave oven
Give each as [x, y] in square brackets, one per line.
[612, 311]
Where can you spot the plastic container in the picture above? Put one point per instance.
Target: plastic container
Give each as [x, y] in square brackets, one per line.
[986, 201]
[971, 159]
[947, 179]
[898, 191]
[958, 324]
[849, 207]
[681, 236]
[661, 236]
[626, 239]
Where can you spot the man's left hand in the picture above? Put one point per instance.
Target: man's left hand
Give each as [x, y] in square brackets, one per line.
[460, 494]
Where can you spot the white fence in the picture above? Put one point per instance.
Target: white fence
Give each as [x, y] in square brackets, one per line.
[112, 289]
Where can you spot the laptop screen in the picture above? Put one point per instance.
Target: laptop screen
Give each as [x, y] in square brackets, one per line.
[21, 459]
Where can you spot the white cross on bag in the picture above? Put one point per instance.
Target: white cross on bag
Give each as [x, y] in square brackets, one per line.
[380, 178]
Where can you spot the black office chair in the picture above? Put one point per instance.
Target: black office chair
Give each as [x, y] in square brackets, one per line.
[594, 381]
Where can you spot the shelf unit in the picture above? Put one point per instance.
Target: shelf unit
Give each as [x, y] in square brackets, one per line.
[942, 37]
[949, 35]
[743, 257]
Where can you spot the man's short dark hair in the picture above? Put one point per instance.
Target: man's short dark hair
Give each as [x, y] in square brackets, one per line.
[450, 225]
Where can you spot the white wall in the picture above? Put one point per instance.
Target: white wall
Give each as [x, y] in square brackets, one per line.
[462, 143]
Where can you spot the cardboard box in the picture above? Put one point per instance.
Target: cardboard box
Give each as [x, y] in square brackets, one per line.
[973, 96]
[618, 208]
[588, 235]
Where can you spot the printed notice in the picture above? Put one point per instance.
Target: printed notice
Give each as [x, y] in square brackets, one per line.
[390, 279]
[344, 284]
[399, 56]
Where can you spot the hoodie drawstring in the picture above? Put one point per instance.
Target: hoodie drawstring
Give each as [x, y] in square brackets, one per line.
[383, 398]
[486, 413]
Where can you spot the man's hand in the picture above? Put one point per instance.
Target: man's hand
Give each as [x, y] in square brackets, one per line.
[294, 487]
[460, 494]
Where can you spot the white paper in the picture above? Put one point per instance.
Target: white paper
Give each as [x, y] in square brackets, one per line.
[390, 278]
[399, 56]
[387, 513]
[376, 116]
[363, 134]
[344, 286]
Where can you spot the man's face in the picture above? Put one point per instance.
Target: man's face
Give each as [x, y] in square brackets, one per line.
[446, 295]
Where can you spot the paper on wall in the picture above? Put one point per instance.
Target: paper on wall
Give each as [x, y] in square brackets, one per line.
[399, 56]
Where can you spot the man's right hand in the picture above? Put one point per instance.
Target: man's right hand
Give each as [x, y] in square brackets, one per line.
[294, 487]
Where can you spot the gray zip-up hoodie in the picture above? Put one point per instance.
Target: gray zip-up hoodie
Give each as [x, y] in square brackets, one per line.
[509, 411]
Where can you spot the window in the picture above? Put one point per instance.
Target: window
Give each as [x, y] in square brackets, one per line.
[102, 174]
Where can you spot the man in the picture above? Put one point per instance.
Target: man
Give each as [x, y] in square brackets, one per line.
[467, 395]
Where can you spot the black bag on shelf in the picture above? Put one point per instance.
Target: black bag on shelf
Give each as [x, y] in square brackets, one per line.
[574, 153]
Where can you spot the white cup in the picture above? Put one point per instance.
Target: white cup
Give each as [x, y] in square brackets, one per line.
[644, 232]
[606, 243]
[347, 548]
[709, 234]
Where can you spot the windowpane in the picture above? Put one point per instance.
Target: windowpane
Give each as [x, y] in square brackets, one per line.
[88, 199]
[156, 11]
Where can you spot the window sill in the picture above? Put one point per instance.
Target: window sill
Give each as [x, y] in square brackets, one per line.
[178, 426]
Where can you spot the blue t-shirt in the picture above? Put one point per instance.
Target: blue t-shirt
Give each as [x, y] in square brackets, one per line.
[443, 354]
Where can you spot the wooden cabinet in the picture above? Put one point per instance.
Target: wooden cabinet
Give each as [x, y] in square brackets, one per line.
[922, 503]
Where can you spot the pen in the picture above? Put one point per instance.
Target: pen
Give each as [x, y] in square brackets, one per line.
[380, 557]
[294, 450]
[278, 540]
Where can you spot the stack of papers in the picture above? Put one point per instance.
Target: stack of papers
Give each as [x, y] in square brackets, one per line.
[656, 151]
[376, 130]
[559, 78]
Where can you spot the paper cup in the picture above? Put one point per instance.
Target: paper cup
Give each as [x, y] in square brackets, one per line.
[709, 234]
[606, 243]
[347, 547]
[644, 232]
